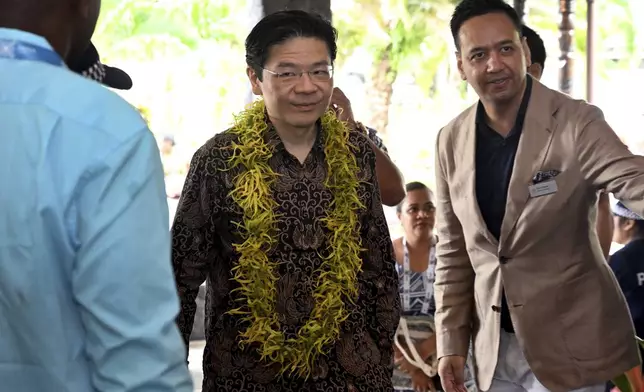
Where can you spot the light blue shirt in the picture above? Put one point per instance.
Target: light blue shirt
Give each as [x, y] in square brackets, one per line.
[87, 296]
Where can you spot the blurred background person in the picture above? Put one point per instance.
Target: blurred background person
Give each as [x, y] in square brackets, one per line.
[415, 262]
[628, 263]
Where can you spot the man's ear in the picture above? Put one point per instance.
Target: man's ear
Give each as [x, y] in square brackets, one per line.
[526, 51]
[535, 70]
[629, 225]
[255, 83]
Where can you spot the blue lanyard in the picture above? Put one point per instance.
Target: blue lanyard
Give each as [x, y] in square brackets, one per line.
[19, 50]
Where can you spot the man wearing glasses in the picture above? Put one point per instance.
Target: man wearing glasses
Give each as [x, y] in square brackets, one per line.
[282, 215]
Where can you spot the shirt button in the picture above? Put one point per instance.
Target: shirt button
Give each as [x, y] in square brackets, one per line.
[496, 308]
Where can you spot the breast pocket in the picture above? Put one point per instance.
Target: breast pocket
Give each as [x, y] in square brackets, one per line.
[552, 194]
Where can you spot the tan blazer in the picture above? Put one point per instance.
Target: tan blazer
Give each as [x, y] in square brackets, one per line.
[569, 314]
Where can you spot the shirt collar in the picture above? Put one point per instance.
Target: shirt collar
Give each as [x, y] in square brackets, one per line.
[24, 36]
[272, 138]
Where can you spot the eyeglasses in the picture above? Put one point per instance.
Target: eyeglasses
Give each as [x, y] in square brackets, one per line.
[322, 74]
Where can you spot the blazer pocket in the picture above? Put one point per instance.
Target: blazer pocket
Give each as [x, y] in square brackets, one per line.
[547, 208]
[586, 312]
[566, 183]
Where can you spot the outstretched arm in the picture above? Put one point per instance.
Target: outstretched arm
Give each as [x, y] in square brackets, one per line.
[606, 162]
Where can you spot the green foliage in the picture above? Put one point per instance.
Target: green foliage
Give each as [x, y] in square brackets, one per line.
[411, 34]
[614, 24]
[414, 34]
[151, 29]
[173, 50]
[214, 20]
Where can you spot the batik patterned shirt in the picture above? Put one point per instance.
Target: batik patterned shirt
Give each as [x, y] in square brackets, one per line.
[204, 231]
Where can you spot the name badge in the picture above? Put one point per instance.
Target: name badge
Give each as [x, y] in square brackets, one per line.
[543, 188]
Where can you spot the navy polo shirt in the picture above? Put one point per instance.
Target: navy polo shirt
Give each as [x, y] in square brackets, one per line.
[494, 163]
[628, 266]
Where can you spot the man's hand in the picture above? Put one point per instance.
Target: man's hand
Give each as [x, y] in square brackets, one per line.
[451, 370]
[342, 106]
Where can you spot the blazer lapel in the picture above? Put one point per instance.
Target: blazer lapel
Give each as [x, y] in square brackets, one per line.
[536, 137]
[467, 146]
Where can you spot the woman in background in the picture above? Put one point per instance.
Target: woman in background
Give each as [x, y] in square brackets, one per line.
[415, 263]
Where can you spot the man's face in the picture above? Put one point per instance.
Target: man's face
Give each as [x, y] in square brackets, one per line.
[84, 19]
[291, 99]
[493, 58]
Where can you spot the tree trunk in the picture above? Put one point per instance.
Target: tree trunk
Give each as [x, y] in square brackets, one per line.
[379, 93]
[322, 7]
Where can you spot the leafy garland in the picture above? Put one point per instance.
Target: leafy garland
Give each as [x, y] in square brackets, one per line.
[257, 274]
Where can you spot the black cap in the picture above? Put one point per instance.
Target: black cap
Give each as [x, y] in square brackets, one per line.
[90, 66]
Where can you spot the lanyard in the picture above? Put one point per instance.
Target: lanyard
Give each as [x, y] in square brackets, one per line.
[19, 50]
[428, 279]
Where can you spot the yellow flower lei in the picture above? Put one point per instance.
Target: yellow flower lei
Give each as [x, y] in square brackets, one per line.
[257, 275]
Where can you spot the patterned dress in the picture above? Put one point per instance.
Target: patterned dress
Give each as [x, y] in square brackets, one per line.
[420, 304]
[203, 235]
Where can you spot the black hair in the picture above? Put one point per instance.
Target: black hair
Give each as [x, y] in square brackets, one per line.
[410, 187]
[537, 48]
[275, 29]
[639, 227]
[638, 224]
[468, 9]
